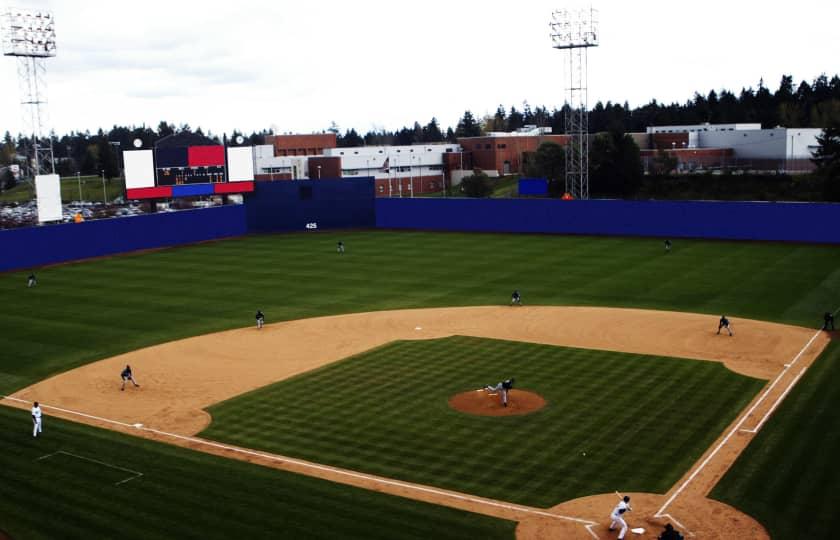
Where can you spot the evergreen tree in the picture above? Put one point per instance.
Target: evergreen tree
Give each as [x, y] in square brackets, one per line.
[468, 126]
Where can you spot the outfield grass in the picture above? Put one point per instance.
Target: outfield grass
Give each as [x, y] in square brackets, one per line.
[91, 310]
[641, 420]
[788, 478]
[187, 494]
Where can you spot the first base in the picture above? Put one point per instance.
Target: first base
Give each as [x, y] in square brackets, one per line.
[638, 530]
[138, 425]
[418, 327]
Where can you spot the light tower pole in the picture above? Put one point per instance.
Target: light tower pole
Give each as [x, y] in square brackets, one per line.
[576, 31]
[29, 35]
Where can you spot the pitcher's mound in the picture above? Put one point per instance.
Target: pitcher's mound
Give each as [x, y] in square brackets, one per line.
[485, 404]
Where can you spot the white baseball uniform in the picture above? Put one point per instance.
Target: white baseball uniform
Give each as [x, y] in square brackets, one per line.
[36, 420]
[617, 517]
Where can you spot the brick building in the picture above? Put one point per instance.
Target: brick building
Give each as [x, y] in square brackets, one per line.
[503, 152]
[312, 144]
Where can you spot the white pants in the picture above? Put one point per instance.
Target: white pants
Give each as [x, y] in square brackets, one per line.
[617, 519]
[36, 427]
[499, 388]
[260, 323]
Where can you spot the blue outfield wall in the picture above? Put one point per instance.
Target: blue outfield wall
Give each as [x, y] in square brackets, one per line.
[794, 222]
[302, 205]
[50, 244]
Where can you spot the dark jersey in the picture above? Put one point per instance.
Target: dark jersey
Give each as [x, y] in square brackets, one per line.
[260, 315]
[126, 373]
[724, 321]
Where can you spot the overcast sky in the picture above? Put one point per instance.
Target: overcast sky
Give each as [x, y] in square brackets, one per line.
[298, 66]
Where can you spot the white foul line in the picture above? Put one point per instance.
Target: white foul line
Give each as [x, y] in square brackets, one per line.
[135, 474]
[341, 472]
[776, 404]
[734, 429]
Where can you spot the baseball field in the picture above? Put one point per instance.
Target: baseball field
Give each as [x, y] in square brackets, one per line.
[337, 418]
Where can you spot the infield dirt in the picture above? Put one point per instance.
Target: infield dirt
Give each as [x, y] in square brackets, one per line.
[180, 379]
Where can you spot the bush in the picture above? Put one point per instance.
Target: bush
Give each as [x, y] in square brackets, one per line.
[476, 185]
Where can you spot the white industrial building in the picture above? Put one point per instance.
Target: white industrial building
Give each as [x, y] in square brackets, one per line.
[749, 141]
[416, 160]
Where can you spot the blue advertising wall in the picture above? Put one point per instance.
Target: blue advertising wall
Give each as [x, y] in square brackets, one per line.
[533, 186]
[311, 204]
[49, 244]
[795, 222]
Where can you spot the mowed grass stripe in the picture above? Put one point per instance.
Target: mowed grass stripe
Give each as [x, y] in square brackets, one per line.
[118, 304]
[186, 494]
[641, 420]
[787, 477]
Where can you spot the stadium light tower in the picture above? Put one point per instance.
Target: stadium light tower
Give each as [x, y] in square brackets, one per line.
[29, 35]
[576, 30]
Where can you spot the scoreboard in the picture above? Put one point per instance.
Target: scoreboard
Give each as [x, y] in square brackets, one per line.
[188, 171]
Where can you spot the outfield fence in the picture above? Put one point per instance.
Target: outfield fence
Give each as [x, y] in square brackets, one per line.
[771, 221]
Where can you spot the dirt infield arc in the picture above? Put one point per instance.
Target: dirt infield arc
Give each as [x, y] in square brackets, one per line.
[180, 379]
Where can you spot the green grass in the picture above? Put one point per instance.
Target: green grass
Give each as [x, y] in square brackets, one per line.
[91, 190]
[187, 494]
[642, 420]
[788, 478]
[91, 310]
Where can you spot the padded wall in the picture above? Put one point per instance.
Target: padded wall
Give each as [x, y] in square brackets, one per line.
[295, 205]
[794, 222]
[36, 246]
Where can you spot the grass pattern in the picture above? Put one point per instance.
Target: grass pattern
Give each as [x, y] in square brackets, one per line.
[191, 495]
[83, 312]
[642, 420]
[787, 477]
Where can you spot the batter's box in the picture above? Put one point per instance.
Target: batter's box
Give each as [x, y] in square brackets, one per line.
[86, 467]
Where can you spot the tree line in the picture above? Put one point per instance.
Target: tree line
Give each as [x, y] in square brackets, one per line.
[809, 104]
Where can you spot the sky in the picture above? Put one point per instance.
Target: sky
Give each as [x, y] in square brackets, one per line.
[298, 66]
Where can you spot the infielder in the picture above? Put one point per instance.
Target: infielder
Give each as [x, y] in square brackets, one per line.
[260, 319]
[503, 388]
[724, 323]
[617, 516]
[516, 298]
[36, 419]
[828, 320]
[128, 376]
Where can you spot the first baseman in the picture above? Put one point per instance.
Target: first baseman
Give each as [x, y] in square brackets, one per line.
[36, 419]
[617, 516]
[128, 376]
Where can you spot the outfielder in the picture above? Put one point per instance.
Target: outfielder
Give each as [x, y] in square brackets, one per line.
[516, 298]
[36, 419]
[503, 388]
[340, 247]
[617, 516]
[724, 323]
[128, 376]
[31, 281]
